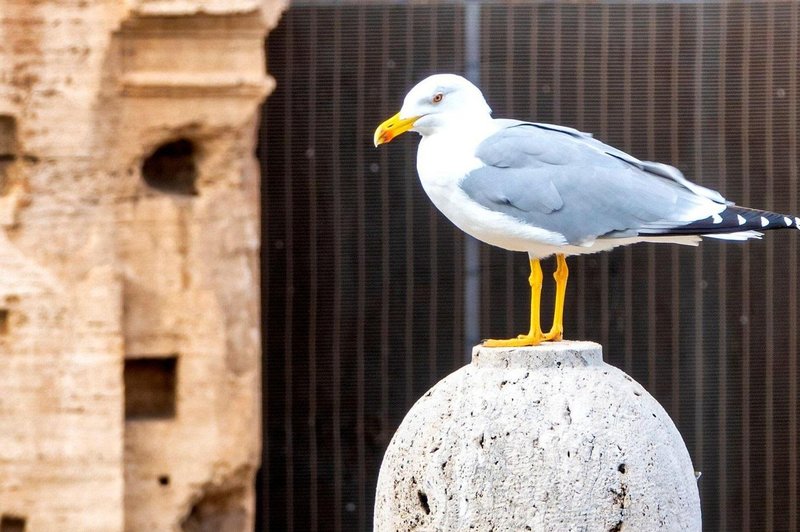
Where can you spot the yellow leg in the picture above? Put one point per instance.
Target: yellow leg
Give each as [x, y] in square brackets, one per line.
[560, 275]
[535, 335]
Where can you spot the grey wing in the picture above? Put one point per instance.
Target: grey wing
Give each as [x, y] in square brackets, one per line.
[655, 168]
[565, 181]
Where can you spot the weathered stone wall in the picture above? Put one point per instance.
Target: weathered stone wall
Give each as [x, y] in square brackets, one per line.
[100, 264]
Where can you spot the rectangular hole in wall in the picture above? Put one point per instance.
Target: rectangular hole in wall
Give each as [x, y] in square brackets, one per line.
[150, 387]
[8, 146]
[8, 137]
[12, 523]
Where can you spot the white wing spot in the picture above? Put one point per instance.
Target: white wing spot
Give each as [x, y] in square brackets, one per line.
[716, 218]
[797, 222]
[764, 221]
[787, 221]
[741, 219]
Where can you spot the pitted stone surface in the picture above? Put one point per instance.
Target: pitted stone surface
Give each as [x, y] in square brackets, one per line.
[541, 438]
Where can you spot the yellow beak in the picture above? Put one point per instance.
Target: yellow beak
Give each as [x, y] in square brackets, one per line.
[393, 127]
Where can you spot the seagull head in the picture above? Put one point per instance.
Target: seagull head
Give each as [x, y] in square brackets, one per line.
[437, 102]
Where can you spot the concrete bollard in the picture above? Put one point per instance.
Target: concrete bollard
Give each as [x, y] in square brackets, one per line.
[539, 438]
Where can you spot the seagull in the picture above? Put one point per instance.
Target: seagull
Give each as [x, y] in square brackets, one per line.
[548, 190]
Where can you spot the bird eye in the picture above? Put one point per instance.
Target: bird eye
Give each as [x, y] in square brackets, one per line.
[437, 97]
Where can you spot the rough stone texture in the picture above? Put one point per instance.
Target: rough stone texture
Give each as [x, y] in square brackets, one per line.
[542, 438]
[97, 266]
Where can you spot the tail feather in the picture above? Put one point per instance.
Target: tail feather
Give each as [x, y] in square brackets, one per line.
[733, 221]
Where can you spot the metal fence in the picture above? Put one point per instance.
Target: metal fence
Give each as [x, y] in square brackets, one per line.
[364, 281]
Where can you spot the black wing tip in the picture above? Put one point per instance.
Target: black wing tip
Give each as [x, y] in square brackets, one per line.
[736, 219]
[755, 219]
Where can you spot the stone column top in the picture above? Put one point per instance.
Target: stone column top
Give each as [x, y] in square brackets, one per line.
[537, 438]
[566, 353]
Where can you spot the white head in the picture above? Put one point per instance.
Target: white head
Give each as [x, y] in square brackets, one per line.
[436, 102]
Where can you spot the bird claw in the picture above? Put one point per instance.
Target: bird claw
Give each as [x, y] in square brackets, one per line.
[523, 340]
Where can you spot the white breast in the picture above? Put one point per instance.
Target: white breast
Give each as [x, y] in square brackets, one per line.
[443, 160]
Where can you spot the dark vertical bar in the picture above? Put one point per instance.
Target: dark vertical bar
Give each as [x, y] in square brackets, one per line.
[386, 209]
[461, 352]
[769, 279]
[336, 344]
[651, 154]
[794, 183]
[557, 63]
[433, 300]
[472, 256]
[722, 358]
[627, 59]
[580, 65]
[485, 253]
[580, 111]
[409, 231]
[288, 310]
[675, 278]
[361, 290]
[699, 394]
[745, 303]
[313, 279]
[533, 53]
[626, 124]
[604, 269]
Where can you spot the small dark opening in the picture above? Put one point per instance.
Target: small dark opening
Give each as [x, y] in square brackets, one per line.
[163, 480]
[622, 469]
[3, 321]
[172, 168]
[12, 523]
[423, 500]
[8, 146]
[150, 387]
[8, 137]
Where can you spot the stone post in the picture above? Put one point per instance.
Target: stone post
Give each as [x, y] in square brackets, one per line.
[540, 438]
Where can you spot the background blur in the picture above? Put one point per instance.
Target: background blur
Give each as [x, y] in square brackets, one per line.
[370, 296]
[130, 345]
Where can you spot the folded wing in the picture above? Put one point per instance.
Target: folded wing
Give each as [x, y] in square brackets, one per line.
[567, 182]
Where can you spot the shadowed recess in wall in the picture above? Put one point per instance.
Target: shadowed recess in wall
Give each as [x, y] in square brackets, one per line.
[150, 387]
[8, 146]
[172, 168]
[12, 523]
[219, 510]
[3, 321]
